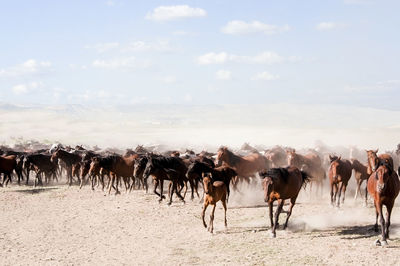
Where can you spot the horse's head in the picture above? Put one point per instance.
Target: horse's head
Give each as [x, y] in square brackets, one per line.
[267, 184]
[291, 156]
[207, 183]
[140, 165]
[373, 160]
[335, 164]
[149, 169]
[94, 167]
[382, 174]
[332, 158]
[222, 155]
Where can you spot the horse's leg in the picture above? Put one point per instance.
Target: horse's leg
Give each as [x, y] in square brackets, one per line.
[212, 218]
[177, 192]
[197, 188]
[358, 189]
[389, 208]
[146, 184]
[204, 212]
[277, 212]
[192, 186]
[82, 180]
[161, 189]
[271, 208]
[376, 217]
[111, 183]
[366, 194]
[332, 188]
[344, 192]
[118, 181]
[382, 222]
[292, 202]
[335, 188]
[223, 200]
[340, 193]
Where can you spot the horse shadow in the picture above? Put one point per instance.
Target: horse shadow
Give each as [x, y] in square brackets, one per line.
[242, 229]
[34, 190]
[364, 231]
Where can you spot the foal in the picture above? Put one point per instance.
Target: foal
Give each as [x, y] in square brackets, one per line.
[215, 191]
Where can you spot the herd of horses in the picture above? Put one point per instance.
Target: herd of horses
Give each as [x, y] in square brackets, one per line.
[283, 172]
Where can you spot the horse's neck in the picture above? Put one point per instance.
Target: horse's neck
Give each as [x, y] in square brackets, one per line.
[235, 159]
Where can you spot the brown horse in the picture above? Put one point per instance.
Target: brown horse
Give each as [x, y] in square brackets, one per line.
[310, 163]
[360, 174]
[281, 184]
[374, 159]
[7, 165]
[245, 167]
[339, 175]
[383, 186]
[215, 191]
[277, 156]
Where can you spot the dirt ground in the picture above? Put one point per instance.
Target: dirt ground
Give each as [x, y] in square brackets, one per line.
[59, 225]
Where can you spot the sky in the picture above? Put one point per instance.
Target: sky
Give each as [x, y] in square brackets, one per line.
[336, 52]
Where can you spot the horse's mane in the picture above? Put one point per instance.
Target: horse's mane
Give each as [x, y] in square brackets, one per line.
[233, 159]
[384, 162]
[277, 174]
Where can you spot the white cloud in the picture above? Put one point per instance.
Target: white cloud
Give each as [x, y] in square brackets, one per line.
[103, 47]
[139, 46]
[28, 67]
[188, 97]
[165, 13]
[110, 3]
[223, 75]
[168, 79]
[26, 87]
[265, 76]
[119, 63]
[324, 26]
[262, 58]
[381, 86]
[242, 27]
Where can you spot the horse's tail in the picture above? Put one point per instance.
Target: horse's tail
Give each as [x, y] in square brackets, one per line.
[398, 171]
[305, 178]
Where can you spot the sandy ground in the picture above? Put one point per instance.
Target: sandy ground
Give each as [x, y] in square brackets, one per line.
[66, 226]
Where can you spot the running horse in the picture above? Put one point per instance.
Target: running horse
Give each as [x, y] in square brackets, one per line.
[69, 160]
[339, 175]
[7, 165]
[245, 167]
[383, 187]
[374, 160]
[310, 163]
[360, 174]
[281, 184]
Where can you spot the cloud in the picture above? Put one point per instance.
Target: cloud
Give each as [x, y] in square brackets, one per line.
[324, 26]
[119, 63]
[140, 46]
[28, 67]
[262, 58]
[168, 79]
[103, 47]
[223, 75]
[237, 27]
[26, 87]
[265, 76]
[166, 13]
[381, 86]
[110, 3]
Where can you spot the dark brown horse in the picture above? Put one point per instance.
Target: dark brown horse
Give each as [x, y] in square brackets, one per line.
[246, 167]
[360, 174]
[281, 184]
[7, 166]
[215, 191]
[383, 187]
[339, 175]
[69, 159]
[374, 160]
[310, 163]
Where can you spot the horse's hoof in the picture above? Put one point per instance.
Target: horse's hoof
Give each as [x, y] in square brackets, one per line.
[384, 243]
[169, 203]
[272, 235]
[377, 243]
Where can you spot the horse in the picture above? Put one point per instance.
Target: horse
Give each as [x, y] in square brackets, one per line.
[215, 191]
[374, 160]
[222, 173]
[41, 164]
[69, 159]
[383, 187]
[166, 168]
[7, 166]
[245, 167]
[281, 184]
[339, 175]
[360, 174]
[310, 163]
[277, 156]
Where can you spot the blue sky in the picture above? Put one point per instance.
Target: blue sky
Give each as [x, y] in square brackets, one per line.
[342, 52]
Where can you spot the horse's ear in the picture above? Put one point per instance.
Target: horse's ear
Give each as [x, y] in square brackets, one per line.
[202, 175]
[330, 157]
[340, 157]
[376, 151]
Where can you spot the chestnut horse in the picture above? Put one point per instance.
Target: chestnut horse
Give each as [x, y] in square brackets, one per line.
[374, 159]
[281, 184]
[339, 175]
[383, 186]
[245, 167]
[310, 163]
[360, 174]
[7, 165]
[215, 191]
